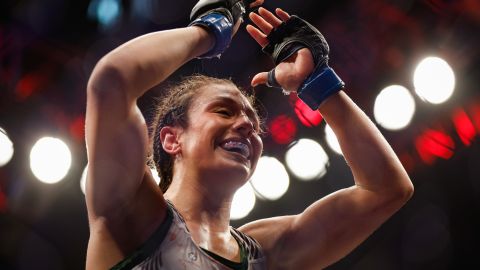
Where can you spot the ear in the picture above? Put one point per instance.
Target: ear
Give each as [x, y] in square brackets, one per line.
[169, 138]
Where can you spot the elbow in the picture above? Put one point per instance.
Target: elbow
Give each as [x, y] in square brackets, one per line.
[403, 192]
[106, 79]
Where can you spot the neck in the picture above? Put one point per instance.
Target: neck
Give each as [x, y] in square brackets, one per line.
[201, 203]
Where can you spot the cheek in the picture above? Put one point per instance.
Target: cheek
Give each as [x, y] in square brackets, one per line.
[258, 145]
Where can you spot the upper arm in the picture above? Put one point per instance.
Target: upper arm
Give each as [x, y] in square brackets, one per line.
[327, 230]
[117, 143]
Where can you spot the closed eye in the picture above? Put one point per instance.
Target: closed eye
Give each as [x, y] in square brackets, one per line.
[224, 112]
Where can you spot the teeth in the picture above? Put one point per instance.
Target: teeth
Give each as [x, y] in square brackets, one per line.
[238, 147]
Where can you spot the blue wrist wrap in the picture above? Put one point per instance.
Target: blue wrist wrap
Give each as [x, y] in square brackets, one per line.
[221, 28]
[319, 86]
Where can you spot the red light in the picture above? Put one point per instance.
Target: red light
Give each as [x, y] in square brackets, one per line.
[307, 116]
[464, 126]
[3, 201]
[432, 144]
[283, 129]
[27, 85]
[77, 128]
[475, 113]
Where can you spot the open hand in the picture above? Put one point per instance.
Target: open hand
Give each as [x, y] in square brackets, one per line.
[291, 73]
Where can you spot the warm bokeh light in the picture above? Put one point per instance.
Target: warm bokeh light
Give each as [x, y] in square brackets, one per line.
[464, 127]
[83, 179]
[283, 129]
[243, 202]
[155, 175]
[332, 140]
[270, 179]
[50, 160]
[307, 116]
[434, 80]
[6, 148]
[433, 144]
[307, 160]
[394, 107]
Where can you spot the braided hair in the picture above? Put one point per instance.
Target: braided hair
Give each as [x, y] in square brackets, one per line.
[172, 110]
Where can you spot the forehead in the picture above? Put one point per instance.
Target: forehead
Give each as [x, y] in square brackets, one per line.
[226, 93]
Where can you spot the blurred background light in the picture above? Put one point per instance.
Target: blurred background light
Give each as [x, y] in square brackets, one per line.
[433, 144]
[307, 160]
[50, 160]
[83, 180]
[434, 80]
[243, 202]
[394, 107]
[6, 148]
[270, 179]
[332, 140]
[283, 129]
[464, 127]
[155, 175]
[105, 12]
[307, 116]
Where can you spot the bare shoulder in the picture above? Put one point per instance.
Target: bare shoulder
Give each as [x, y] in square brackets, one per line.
[112, 237]
[271, 234]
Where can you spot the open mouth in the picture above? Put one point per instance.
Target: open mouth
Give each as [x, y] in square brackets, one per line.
[237, 147]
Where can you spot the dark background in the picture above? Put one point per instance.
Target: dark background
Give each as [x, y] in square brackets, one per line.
[48, 49]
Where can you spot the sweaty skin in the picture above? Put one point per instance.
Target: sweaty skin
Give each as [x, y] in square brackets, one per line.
[125, 206]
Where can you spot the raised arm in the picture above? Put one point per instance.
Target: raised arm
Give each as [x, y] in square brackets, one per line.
[124, 204]
[334, 225]
[116, 132]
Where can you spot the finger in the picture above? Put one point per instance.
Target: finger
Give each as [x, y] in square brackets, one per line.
[260, 78]
[256, 3]
[256, 34]
[284, 16]
[261, 23]
[269, 17]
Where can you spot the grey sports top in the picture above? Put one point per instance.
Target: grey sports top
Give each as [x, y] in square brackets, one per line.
[171, 247]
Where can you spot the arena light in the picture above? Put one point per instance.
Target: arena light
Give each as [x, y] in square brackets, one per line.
[155, 175]
[332, 140]
[433, 144]
[243, 202]
[270, 179]
[106, 12]
[6, 148]
[307, 160]
[283, 129]
[83, 179]
[307, 116]
[475, 113]
[50, 160]
[394, 107]
[434, 80]
[464, 127]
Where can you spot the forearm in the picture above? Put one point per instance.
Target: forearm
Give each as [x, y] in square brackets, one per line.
[144, 62]
[373, 162]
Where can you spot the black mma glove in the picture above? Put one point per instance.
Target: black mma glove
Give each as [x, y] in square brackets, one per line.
[219, 17]
[287, 39]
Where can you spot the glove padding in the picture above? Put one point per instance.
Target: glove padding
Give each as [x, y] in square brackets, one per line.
[219, 17]
[293, 35]
[290, 37]
[232, 9]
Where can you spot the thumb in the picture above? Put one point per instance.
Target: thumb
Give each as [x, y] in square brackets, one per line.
[260, 78]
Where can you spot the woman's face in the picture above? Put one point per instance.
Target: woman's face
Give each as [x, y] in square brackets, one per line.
[222, 137]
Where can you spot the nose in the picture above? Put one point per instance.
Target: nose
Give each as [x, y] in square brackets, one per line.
[244, 125]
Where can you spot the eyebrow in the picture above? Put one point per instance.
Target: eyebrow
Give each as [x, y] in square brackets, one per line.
[251, 113]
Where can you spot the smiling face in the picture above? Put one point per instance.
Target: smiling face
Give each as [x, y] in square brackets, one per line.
[222, 138]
